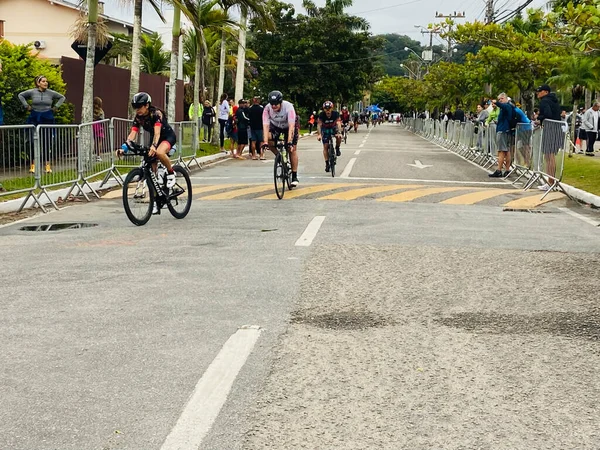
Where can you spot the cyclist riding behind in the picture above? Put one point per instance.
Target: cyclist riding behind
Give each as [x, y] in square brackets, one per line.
[355, 119]
[345, 117]
[279, 117]
[329, 125]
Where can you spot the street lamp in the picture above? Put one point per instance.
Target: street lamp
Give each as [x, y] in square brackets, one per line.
[408, 70]
[407, 49]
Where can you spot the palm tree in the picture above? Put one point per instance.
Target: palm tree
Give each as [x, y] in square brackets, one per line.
[134, 83]
[254, 8]
[174, 62]
[336, 8]
[578, 74]
[153, 59]
[94, 32]
[204, 16]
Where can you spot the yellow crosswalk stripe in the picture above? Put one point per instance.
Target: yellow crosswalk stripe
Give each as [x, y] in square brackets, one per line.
[239, 192]
[308, 190]
[202, 189]
[418, 193]
[475, 197]
[353, 194]
[533, 201]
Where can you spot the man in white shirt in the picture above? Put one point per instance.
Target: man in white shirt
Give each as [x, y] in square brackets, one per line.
[590, 125]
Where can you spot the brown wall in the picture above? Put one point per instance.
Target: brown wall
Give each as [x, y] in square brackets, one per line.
[111, 84]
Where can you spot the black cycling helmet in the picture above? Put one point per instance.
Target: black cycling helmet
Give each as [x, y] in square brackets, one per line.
[275, 97]
[140, 99]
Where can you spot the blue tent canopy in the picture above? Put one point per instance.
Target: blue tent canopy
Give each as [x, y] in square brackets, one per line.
[374, 108]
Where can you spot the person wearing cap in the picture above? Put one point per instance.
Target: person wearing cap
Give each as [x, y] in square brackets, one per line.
[554, 134]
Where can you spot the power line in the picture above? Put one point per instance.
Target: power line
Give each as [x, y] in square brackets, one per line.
[322, 63]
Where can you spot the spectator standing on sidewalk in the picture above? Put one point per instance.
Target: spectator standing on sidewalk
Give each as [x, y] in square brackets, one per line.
[223, 117]
[552, 140]
[504, 136]
[98, 128]
[482, 115]
[208, 118]
[44, 102]
[590, 124]
[256, 129]
[459, 114]
[243, 122]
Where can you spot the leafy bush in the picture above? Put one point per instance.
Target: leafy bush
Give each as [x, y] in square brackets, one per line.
[20, 66]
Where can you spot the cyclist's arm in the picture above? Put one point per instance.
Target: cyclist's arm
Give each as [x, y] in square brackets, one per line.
[266, 123]
[338, 125]
[319, 125]
[291, 124]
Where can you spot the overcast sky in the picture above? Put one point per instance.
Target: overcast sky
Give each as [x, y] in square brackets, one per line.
[385, 16]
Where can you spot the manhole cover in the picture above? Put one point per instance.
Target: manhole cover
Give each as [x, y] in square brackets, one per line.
[342, 320]
[57, 226]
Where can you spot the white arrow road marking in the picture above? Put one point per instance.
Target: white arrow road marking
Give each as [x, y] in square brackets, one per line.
[211, 392]
[419, 165]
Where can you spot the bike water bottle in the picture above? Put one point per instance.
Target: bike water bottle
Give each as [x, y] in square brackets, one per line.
[161, 175]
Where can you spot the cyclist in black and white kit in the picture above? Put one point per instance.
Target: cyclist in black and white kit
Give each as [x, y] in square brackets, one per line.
[162, 136]
[329, 126]
[279, 117]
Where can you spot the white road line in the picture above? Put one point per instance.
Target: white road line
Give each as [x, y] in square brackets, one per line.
[311, 231]
[361, 145]
[357, 152]
[211, 392]
[580, 217]
[348, 168]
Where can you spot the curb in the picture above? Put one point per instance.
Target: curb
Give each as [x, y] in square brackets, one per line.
[583, 196]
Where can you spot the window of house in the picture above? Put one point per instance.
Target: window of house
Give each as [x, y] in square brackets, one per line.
[1, 29]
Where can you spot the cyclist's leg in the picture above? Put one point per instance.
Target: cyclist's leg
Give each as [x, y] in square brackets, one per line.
[293, 152]
[162, 152]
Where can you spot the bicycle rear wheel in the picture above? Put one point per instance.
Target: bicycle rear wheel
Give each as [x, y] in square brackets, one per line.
[345, 136]
[279, 176]
[180, 197]
[138, 197]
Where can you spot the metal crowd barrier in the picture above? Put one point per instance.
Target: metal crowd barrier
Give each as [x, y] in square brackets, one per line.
[16, 158]
[538, 153]
[34, 159]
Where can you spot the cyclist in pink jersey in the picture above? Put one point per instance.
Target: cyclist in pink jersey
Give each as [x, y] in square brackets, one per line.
[279, 117]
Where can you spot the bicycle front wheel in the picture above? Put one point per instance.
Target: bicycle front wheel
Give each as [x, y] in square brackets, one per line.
[332, 160]
[138, 197]
[180, 197]
[279, 176]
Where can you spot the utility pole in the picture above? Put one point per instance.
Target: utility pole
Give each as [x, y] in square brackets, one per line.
[454, 15]
[489, 12]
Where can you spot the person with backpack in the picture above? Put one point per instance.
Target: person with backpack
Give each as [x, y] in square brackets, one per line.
[505, 132]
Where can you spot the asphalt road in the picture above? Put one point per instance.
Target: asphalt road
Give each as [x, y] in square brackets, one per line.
[435, 308]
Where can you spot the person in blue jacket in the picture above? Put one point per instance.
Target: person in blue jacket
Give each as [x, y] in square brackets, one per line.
[504, 136]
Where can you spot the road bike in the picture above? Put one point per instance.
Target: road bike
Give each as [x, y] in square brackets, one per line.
[282, 171]
[143, 188]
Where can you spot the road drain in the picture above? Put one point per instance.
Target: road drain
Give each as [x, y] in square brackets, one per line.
[341, 320]
[57, 226]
